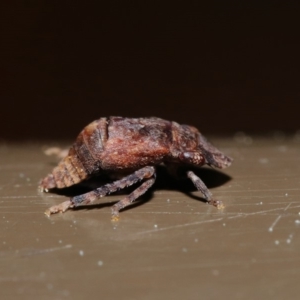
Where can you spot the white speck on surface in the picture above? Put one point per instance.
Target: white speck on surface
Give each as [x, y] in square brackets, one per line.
[224, 224]
[81, 252]
[286, 194]
[184, 250]
[297, 221]
[168, 200]
[155, 226]
[196, 240]
[282, 148]
[100, 263]
[65, 293]
[60, 241]
[289, 239]
[276, 242]
[263, 160]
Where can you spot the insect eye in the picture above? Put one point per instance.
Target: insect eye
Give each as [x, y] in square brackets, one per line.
[187, 155]
[191, 158]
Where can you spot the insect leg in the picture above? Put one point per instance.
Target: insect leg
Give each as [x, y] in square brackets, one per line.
[143, 173]
[130, 198]
[199, 184]
[109, 188]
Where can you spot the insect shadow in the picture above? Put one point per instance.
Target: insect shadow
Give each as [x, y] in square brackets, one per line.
[164, 181]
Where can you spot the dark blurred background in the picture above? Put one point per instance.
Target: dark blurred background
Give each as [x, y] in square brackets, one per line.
[223, 66]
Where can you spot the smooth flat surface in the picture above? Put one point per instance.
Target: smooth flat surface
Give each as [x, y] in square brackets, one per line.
[169, 247]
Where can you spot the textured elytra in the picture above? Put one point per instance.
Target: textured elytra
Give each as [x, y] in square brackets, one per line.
[128, 149]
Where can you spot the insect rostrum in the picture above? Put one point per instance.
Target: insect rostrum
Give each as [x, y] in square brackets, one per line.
[131, 148]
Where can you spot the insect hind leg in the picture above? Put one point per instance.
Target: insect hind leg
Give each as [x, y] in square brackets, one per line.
[147, 173]
[90, 197]
[131, 197]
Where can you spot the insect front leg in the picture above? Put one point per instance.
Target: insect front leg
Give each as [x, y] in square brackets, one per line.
[199, 184]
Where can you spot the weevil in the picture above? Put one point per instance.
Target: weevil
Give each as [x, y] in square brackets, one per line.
[127, 150]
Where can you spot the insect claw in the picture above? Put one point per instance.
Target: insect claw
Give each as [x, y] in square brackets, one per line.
[114, 214]
[115, 218]
[60, 208]
[216, 203]
[42, 189]
[47, 213]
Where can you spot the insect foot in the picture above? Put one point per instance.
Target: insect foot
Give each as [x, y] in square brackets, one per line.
[116, 147]
[216, 203]
[62, 207]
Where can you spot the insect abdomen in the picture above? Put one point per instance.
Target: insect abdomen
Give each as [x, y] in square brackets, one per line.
[82, 159]
[68, 172]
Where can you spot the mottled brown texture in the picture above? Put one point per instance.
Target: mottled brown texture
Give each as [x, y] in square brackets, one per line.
[131, 148]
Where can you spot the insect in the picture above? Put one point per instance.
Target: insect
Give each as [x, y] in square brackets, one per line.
[127, 150]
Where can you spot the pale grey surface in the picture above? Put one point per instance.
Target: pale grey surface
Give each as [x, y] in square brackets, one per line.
[170, 247]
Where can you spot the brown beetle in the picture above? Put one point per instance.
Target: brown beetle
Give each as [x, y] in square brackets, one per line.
[131, 148]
